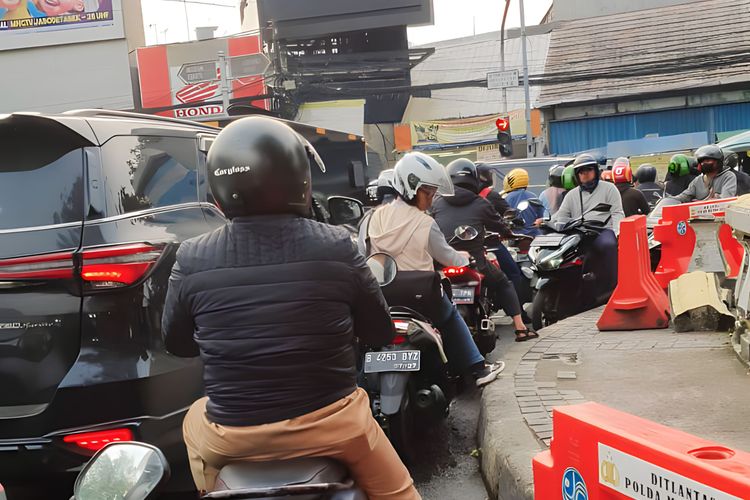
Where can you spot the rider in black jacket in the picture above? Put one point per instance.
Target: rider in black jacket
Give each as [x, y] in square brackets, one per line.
[466, 207]
[272, 302]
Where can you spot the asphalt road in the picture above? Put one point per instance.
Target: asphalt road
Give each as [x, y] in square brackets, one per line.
[445, 468]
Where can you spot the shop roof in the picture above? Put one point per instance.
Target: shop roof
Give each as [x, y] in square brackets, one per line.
[654, 51]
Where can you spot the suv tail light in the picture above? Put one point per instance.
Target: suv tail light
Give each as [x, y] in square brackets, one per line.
[38, 267]
[118, 266]
[95, 441]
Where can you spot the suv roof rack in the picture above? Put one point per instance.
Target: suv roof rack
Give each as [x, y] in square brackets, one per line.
[136, 116]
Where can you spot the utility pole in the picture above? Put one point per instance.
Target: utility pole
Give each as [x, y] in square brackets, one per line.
[224, 82]
[529, 138]
[502, 54]
[187, 22]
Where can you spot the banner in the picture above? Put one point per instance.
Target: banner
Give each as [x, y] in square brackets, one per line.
[470, 130]
[31, 15]
[454, 131]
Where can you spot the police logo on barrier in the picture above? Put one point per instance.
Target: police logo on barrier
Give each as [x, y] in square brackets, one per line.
[608, 472]
[682, 228]
[573, 485]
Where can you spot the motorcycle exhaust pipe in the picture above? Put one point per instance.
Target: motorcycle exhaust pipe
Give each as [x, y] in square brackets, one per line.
[487, 325]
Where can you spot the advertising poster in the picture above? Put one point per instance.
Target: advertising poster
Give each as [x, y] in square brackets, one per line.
[33, 15]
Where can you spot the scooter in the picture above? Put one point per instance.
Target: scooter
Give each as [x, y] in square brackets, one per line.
[408, 381]
[136, 471]
[562, 287]
[470, 296]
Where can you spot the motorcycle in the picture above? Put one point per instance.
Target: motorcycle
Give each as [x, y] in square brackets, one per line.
[562, 287]
[470, 296]
[136, 471]
[408, 381]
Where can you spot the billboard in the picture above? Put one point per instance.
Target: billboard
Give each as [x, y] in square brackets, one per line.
[33, 23]
[188, 74]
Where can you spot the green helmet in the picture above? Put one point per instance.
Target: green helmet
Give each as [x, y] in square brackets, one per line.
[681, 164]
[569, 180]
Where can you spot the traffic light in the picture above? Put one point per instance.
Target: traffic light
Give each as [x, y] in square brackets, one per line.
[504, 137]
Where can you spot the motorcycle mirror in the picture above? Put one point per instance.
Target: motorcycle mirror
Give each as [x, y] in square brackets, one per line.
[122, 470]
[383, 267]
[510, 214]
[345, 210]
[466, 233]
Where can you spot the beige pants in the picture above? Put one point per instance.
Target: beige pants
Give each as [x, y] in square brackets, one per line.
[344, 430]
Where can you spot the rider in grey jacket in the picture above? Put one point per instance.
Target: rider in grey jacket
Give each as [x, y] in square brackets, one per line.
[714, 182]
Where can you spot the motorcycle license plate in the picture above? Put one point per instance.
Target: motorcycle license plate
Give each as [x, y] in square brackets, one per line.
[392, 361]
[463, 295]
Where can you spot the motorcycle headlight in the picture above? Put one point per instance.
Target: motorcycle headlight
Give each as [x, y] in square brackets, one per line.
[552, 262]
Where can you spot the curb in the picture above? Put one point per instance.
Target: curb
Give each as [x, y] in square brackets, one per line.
[505, 439]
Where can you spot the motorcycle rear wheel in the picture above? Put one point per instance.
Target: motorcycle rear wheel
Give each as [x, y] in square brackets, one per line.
[400, 431]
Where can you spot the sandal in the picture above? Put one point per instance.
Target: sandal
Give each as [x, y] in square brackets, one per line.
[524, 335]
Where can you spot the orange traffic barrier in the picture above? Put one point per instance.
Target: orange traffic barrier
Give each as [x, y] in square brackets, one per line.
[638, 302]
[598, 453]
[696, 246]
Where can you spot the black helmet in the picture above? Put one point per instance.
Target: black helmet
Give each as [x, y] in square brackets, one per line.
[484, 174]
[259, 165]
[731, 159]
[463, 173]
[646, 173]
[710, 152]
[555, 175]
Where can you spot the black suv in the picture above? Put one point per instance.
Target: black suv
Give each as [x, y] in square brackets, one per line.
[93, 205]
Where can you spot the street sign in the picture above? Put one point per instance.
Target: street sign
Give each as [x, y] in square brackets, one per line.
[502, 79]
[248, 65]
[197, 72]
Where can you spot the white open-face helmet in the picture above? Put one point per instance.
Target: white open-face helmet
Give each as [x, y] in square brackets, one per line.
[416, 170]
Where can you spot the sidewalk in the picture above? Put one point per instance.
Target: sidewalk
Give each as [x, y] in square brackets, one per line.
[690, 381]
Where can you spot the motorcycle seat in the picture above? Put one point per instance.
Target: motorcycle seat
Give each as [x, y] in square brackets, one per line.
[299, 471]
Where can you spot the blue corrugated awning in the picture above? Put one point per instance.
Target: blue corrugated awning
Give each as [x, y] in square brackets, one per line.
[583, 134]
[651, 145]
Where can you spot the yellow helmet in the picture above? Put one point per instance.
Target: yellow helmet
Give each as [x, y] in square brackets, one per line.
[516, 179]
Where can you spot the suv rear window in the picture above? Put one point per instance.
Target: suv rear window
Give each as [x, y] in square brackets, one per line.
[41, 191]
[143, 172]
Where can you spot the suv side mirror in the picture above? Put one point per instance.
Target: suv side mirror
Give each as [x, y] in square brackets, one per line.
[345, 210]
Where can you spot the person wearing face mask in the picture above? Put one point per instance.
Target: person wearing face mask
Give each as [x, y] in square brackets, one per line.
[714, 180]
[579, 204]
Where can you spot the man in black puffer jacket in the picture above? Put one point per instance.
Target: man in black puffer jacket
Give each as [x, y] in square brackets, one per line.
[272, 302]
[466, 207]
